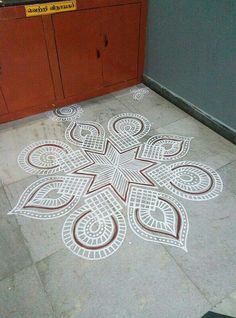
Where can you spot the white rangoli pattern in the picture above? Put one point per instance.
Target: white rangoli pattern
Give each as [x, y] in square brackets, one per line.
[139, 93]
[68, 113]
[110, 174]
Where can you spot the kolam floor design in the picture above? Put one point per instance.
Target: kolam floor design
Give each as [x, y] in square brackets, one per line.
[121, 178]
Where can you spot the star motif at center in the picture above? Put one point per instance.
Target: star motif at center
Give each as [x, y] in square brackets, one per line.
[116, 169]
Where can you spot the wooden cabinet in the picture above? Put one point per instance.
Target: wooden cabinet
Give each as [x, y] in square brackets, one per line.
[120, 30]
[3, 106]
[78, 47]
[55, 60]
[26, 79]
[97, 47]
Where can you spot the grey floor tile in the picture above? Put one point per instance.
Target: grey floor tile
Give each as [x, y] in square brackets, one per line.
[140, 281]
[128, 90]
[22, 296]
[155, 108]
[14, 140]
[228, 174]
[43, 237]
[13, 250]
[4, 204]
[211, 259]
[23, 121]
[227, 306]
[207, 146]
[102, 109]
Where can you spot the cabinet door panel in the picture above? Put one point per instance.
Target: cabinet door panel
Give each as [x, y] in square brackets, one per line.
[77, 38]
[26, 77]
[3, 108]
[120, 30]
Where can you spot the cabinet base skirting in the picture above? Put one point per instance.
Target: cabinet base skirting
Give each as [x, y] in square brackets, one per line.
[67, 101]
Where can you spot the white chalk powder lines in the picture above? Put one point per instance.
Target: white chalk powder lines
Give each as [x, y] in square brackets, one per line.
[118, 177]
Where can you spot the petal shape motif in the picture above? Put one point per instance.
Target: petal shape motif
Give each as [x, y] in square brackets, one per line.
[165, 148]
[96, 230]
[89, 135]
[188, 179]
[42, 157]
[158, 217]
[51, 197]
[195, 181]
[126, 130]
[129, 124]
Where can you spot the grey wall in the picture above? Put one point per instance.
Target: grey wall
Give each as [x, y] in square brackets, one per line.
[191, 50]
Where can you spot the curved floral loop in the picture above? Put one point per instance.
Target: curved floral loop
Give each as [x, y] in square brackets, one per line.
[188, 179]
[87, 134]
[42, 157]
[126, 129]
[158, 217]
[195, 181]
[139, 93]
[68, 113]
[96, 230]
[129, 124]
[166, 147]
[50, 197]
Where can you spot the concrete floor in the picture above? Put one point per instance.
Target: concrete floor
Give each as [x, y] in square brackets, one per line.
[40, 277]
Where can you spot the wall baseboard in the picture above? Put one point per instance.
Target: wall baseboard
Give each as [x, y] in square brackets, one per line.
[191, 109]
[211, 314]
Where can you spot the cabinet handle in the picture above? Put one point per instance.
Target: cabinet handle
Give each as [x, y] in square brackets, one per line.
[98, 54]
[106, 42]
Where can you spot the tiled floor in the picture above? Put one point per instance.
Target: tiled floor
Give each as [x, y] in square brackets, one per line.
[40, 277]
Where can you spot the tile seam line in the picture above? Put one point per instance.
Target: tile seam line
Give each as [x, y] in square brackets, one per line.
[12, 274]
[128, 107]
[227, 296]
[189, 278]
[34, 263]
[19, 226]
[144, 114]
[44, 289]
[3, 185]
[227, 164]
[52, 254]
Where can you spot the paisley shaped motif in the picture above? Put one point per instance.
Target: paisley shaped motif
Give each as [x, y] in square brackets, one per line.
[126, 130]
[172, 147]
[194, 181]
[129, 124]
[96, 230]
[158, 217]
[42, 157]
[188, 179]
[88, 135]
[50, 197]
[92, 238]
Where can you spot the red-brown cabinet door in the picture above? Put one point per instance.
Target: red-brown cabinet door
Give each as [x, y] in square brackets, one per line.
[25, 77]
[78, 41]
[120, 31]
[3, 107]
